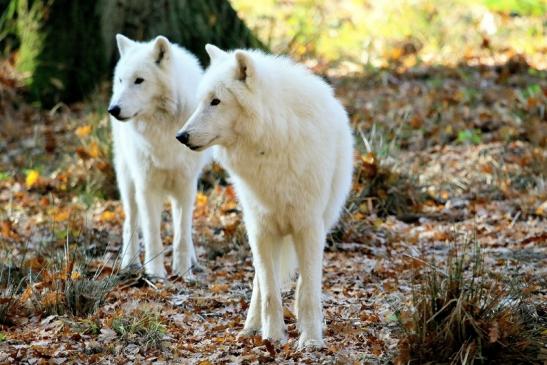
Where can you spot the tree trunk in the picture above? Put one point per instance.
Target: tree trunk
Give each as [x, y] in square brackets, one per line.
[60, 49]
[67, 46]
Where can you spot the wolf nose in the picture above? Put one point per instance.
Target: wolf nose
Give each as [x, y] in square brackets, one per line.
[114, 111]
[183, 137]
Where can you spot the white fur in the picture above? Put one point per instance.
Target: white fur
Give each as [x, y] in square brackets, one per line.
[149, 163]
[287, 143]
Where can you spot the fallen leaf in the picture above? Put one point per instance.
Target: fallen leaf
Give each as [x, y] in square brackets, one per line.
[219, 288]
[83, 131]
[32, 178]
[94, 150]
[107, 216]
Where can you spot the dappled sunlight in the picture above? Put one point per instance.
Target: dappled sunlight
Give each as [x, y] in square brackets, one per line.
[448, 200]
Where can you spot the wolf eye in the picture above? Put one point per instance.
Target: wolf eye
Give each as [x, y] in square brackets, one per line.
[139, 80]
[215, 101]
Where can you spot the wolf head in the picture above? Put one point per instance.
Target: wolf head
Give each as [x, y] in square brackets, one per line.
[224, 95]
[141, 84]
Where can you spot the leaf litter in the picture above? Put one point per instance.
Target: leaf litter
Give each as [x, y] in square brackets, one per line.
[446, 149]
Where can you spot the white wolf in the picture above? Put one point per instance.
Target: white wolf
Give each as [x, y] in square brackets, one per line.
[154, 93]
[287, 143]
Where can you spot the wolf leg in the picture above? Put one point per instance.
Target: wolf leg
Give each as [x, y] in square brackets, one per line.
[150, 206]
[183, 248]
[254, 318]
[309, 243]
[265, 251]
[130, 249]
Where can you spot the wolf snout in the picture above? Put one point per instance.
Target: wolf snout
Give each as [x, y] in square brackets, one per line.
[183, 137]
[114, 110]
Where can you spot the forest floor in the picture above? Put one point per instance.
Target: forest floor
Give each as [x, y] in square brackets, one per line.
[447, 158]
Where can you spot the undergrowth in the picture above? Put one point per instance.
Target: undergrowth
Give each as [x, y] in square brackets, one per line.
[140, 327]
[11, 282]
[70, 286]
[462, 313]
[391, 191]
[379, 187]
[45, 280]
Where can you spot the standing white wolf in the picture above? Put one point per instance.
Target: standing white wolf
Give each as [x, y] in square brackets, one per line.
[154, 93]
[287, 144]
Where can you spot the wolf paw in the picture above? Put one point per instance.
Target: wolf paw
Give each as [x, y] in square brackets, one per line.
[280, 341]
[305, 343]
[155, 270]
[130, 261]
[183, 269]
[185, 274]
[197, 267]
[248, 332]
[279, 336]
[132, 268]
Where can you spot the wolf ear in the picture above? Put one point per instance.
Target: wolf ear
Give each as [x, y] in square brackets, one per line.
[214, 52]
[124, 43]
[161, 49]
[244, 66]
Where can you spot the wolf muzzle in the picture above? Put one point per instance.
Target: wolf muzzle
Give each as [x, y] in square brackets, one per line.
[183, 138]
[114, 111]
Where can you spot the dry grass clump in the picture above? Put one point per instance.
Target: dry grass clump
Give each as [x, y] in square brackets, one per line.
[11, 282]
[464, 314]
[68, 285]
[140, 327]
[392, 191]
[379, 187]
[13, 279]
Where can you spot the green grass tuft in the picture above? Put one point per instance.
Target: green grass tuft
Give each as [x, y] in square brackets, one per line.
[140, 327]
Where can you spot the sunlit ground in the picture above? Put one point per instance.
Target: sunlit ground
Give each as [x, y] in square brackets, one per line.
[447, 100]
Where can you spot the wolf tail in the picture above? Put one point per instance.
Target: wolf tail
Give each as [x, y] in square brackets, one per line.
[288, 263]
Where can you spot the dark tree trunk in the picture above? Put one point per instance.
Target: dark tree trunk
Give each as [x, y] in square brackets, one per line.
[189, 23]
[68, 46]
[60, 48]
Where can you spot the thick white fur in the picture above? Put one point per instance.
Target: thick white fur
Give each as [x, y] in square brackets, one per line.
[287, 143]
[149, 163]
